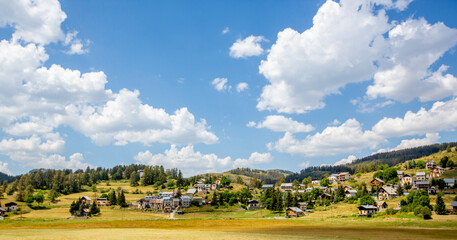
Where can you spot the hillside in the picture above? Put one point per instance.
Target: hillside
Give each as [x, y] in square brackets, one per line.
[5, 177]
[269, 176]
[370, 163]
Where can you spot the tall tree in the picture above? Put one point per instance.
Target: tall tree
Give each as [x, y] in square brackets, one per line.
[440, 207]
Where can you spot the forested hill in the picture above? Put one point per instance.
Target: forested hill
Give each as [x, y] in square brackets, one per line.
[4, 177]
[370, 163]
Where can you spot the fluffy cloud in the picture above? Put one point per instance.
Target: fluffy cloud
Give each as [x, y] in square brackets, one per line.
[225, 31]
[125, 119]
[353, 41]
[241, 86]
[405, 74]
[255, 158]
[339, 49]
[350, 137]
[279, 123]
[247, 47]
[4, 168]
[193, 162]
[35, 100]
[76, 45]
[346, 138]
[41, 153]
[348, 160]
[33, 21]
[441, 116]
[430, 138]
[220, 84]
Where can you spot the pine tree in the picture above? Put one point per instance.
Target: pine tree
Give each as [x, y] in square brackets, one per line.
[112, 197]
[121, 199]
[289, 199]
[440, 207]
[94, 209]
[279, 202]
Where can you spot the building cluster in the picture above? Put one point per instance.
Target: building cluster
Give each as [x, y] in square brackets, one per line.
[170, 201]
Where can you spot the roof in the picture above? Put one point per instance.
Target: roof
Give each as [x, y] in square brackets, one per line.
[400, 172]
[3, 210]
[352, 191]
[420, 173]
[389, 190]
[165, 193]
[431, 162]
[10, 204]
[449, 180]
[86, 197]
[380, 203]
[295, 209]
[267, 186]
[185, 197]
[367, 207]
[422, 183]
[287, 185]
[348, 187]
[344, 173]
[454, 203]
[253, 201]
[192, 191]
[303, 203]
[377, 179]
[197, 198]
[204, 185]
[102, 199]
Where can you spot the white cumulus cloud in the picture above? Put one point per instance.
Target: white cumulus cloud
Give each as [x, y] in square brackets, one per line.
[279, 123]
[247, 47]
[348, 160]
[354, 41]
[241, 86]
[220, 84]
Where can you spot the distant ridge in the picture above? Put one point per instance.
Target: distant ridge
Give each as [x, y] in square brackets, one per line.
[4, 176]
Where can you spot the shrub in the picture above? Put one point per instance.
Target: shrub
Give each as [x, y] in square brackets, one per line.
[391, 211]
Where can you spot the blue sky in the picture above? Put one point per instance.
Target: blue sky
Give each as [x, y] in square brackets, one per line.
[209, 86]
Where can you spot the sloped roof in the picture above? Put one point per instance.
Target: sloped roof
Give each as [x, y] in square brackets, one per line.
[367, 207]
[295, 209]
[389, 190]
[454, 203]
[267, 186]
[287, 185]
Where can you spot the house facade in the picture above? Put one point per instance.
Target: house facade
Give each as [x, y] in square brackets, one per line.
[11, 206]
[367, 210]
[344, 176]
[406, 179]
[287, 187]
[101, 202]
[253, 205]
[421, 176]
[430, 165]
[294, 212]
[185, 201]
[386, 193]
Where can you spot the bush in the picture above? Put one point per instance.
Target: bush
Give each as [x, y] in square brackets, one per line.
[423, 212]
[391, 211]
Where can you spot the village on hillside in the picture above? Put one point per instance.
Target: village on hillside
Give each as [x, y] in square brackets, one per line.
[406, 187]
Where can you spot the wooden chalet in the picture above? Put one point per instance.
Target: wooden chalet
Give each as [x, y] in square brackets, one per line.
[294, 212]
[367, 210]
[377, 182]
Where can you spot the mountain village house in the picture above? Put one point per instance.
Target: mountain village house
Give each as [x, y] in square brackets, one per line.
[344, 176]
[11, 206]
[266, 186]
[386, 193]
[287, 187]
[101, 202]
[86, 200]
[430, 165]
[376, 182]
[381, 205]
[421, 176]
[406, 179]
[367, 210]
[253, 205]
[294, 212]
